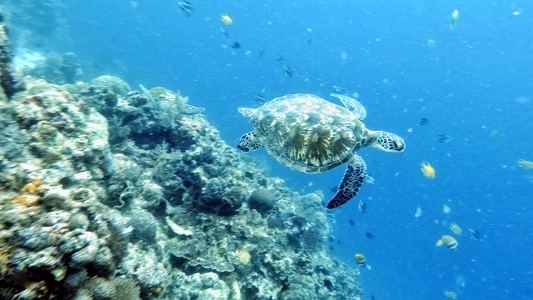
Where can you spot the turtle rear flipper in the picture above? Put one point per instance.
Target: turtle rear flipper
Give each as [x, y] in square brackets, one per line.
[249, 142]
[351, 182]
[387, 141]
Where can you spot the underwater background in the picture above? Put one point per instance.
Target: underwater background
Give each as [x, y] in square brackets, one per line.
[457, 89]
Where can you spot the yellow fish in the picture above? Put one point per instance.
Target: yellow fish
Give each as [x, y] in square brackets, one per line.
[450, 294]
[227, 20]
[449, 241]
[454, 19]
[456, 229]
[360, 259]
[525, 164]
[428, 170]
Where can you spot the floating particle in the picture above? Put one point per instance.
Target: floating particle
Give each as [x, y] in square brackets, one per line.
[428, 170]
[344, 55]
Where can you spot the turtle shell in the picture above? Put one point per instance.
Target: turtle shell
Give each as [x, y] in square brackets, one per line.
[308, 133]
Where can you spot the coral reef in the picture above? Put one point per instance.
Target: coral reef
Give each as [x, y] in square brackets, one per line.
[112, 193]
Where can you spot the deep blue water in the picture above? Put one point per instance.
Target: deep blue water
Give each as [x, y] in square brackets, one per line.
[406, 63]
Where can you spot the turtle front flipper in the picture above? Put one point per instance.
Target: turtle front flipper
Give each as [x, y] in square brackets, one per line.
[249, 142]
[351, 182]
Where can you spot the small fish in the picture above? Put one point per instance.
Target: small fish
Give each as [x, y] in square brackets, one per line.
[423, 121]
[474, 233]
[428, 170]
[454, 19]
[287, 71]
[280, 58]
[369, 235]
[226, 19]
[418, 212]
[432, 42]
[525, 164]
[360, 259]
[146, 92]
[446, 209]
[224, 32]
[369, 179]
[443, 138]
[236, 45]
[261, 100]
[361, 206]
[450, 294]
[352, 222]
[186, 7]
[339, 89]
[449, 241]
[456, 229]
[261, 52]
[497, 133]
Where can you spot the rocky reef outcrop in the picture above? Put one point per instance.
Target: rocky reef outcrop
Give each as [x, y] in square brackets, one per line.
[112, 193]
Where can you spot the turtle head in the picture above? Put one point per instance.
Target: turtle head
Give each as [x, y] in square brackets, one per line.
[248, 142]
[387, 141]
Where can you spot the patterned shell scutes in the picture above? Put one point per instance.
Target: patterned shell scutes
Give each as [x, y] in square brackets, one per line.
[308, 133]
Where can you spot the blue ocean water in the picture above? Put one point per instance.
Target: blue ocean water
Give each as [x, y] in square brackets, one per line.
[406, 62]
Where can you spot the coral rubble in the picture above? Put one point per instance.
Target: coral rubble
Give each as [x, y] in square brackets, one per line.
[111, 193]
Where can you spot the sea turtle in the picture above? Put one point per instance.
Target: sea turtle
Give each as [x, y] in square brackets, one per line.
[311, 135]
